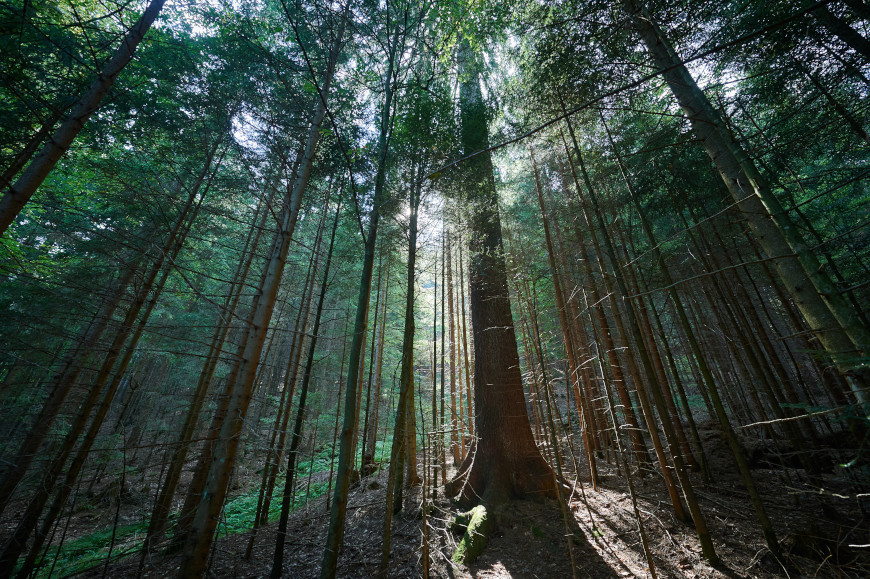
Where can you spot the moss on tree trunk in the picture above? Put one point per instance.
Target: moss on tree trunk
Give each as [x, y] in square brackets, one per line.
[477, 526]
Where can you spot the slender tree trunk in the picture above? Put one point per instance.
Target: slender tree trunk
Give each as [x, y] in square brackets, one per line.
[442, 441]
[379, 364]
[337, 413]
[359, 393]
[405, 407]
[469, 370]
[838, 328]
[454, 416]
[244, 372]
[412, 478]
[368, 458]
[29, 181]
[436, 425]
[457, 368]
[278, 559]
[347, 450]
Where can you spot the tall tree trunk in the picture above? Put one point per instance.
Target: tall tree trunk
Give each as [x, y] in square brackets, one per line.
[347, 450]
[367, 463]
[436, 425]
[278, 559]
[454, 417]
[245, 370]
[505, 462]
[461, 402]
[411, 476]
[442, 443]
[378, 367]
[337, 412]
[405, 405]
[838, 328]
[469, 370]
[29, 181]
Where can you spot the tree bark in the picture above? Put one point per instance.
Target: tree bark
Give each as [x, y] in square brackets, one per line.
[242, 376]
[278, 559]
[29, 181]
[835, 323]
[505, 462]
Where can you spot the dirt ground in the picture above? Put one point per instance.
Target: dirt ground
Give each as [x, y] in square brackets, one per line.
[821, 526]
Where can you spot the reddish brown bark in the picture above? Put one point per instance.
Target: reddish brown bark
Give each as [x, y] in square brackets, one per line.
[504, 462]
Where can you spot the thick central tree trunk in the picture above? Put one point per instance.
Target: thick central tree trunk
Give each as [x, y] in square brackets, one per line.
[504, 463]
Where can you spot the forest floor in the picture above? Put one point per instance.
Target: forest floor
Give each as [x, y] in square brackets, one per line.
[823, 533]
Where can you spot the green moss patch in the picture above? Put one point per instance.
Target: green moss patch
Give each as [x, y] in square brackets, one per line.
[476, 523]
